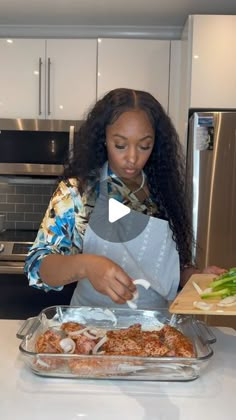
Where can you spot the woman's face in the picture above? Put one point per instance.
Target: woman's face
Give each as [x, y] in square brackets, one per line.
[130, 140]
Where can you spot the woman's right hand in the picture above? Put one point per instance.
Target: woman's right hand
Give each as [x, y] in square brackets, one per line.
[108, 278]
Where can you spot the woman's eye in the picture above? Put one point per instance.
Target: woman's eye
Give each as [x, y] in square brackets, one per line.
[119, 146]
[123, 146]
[145, 147]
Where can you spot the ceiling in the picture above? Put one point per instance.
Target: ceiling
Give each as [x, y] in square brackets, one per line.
[109, 12]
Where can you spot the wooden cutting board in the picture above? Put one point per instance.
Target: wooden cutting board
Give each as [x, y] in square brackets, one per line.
[183, 303]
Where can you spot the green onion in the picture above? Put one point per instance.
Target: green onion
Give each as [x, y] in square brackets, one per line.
[220, 293]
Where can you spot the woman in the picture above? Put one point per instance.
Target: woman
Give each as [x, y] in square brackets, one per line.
[126, 149]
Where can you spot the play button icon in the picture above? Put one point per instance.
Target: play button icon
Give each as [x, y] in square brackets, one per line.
[113, 221]
[116, 210]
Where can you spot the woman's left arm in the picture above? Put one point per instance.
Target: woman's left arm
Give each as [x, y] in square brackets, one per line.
[188, 271]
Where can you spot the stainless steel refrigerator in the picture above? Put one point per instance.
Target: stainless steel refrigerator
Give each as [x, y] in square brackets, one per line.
[211, 177]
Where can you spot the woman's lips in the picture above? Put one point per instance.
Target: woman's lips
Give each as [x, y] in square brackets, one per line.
[130, 171]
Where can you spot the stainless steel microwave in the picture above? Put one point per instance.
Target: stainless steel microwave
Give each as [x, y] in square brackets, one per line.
[35, 147]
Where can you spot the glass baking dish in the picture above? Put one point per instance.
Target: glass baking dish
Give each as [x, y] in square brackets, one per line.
[101, 366]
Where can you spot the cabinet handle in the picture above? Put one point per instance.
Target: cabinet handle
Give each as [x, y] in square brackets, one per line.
[40, 85]
[49, 71]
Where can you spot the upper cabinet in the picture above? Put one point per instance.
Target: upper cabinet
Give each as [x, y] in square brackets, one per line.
[71, 66]
[136, 64]
[53, 79]
[20, 77]
[213, 61]
[208, 66]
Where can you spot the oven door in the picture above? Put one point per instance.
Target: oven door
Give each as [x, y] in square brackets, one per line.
[20, 301]
[11, 267]
[13, 252]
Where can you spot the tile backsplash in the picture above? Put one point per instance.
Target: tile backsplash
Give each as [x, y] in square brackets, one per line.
[24, 201]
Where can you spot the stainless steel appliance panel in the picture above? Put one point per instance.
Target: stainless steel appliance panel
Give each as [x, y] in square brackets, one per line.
[35, 147]
[14, 246]
[211, 170]
[18, 300]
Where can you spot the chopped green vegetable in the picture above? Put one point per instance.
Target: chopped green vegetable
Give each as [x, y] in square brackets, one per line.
[223, 286]
[231, 272]
[220, 293]
[219, 282]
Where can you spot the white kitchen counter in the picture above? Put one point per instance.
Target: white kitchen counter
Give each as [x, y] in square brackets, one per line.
[24, 395]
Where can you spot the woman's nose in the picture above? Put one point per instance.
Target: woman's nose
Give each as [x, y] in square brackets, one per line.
[131, 155]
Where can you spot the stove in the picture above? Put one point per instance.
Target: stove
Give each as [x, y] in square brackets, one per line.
[14, 246]
[17, 299]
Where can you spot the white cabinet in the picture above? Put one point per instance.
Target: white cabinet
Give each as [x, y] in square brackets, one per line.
[134, 63]
[19, 77]
[71, 65]
[53, 78]
[213, 75]
[208, 66]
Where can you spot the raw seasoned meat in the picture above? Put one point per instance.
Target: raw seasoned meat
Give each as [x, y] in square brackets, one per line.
[84, 345]
[133, 341]
[49, 342]
[71, 327]
[177, 342]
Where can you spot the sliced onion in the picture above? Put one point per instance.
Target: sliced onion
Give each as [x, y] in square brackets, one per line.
[208, 290]
[135, 295]
[142, 282]
[197, 287]
[99, 344]
[202, 305]
[97, 332]
[77, 332]
[131, 304]
[91, 336]
[67, 345]
[228, 301]
[42, 363]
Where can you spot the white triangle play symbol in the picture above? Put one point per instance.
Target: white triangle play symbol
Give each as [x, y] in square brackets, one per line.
[116, 210]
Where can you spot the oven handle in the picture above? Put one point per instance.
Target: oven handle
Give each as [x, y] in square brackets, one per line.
[28, 327]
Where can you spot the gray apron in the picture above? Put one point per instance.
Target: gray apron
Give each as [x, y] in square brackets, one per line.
[152, 255]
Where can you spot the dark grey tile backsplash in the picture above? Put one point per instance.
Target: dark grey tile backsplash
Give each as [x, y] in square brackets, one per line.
[25, 201]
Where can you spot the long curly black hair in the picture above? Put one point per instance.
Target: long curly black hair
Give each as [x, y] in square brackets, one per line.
[165, 168]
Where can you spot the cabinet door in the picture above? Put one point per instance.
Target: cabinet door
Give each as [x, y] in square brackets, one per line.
[134, 63]
[21, 94]
[71, 77]
[213, 83]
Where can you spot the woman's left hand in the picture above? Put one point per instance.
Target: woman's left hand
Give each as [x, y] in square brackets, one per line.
[189, 271]
[213, 269]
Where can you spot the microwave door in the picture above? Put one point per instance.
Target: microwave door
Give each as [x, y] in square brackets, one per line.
[35, 147]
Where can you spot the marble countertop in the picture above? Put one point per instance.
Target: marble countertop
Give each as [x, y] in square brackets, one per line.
[27, 396]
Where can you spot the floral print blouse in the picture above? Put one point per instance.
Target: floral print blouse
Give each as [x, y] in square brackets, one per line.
[64, 224]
